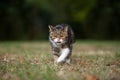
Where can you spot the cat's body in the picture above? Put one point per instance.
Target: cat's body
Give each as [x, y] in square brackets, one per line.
[61, 38]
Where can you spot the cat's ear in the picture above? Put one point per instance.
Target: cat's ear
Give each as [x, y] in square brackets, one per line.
[66, 28]
[51, 28]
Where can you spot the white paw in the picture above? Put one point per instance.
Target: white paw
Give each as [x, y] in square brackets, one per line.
[60, 60]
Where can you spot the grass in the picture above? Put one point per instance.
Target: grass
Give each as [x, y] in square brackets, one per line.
[32, 61]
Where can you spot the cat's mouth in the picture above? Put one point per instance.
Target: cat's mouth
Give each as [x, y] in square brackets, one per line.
[58, 42]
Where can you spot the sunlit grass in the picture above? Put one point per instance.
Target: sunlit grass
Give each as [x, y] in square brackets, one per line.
[32, 61]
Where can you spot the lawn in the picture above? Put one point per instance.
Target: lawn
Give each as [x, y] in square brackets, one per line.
[91, 60]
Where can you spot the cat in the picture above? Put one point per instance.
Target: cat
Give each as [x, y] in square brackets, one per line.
[61, 38]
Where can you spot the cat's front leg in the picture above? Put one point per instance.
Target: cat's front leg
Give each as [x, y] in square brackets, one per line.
[64, 53]
[55, 53]
[55, 59]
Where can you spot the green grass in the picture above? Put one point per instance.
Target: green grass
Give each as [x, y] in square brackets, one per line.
[32, 61]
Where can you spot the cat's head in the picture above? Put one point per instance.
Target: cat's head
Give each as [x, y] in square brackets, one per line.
[58, 34]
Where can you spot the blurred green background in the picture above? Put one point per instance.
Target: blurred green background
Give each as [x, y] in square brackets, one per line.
[29, 19]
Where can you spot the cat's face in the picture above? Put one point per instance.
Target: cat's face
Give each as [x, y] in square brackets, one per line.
[59, 36]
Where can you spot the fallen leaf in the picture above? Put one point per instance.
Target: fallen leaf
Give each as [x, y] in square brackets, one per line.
[90, 77]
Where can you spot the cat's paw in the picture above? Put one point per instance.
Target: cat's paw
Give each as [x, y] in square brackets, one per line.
[60, 60]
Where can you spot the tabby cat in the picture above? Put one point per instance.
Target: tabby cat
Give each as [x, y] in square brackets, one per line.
[61, 38]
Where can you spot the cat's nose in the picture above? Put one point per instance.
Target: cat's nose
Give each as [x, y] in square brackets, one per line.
[58, 40]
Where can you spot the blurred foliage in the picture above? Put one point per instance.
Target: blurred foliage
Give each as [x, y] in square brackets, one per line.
[29, 19]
